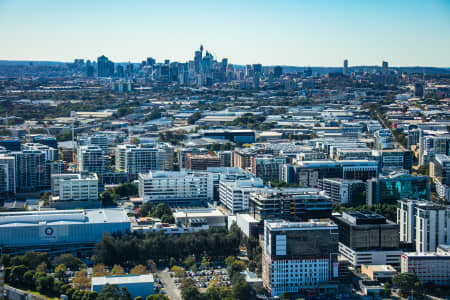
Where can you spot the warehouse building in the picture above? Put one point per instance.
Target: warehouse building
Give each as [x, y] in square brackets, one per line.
[66, 230]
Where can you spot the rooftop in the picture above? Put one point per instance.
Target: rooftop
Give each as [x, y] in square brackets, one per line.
[123, 279]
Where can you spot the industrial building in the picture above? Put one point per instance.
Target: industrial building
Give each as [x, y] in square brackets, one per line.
[136, 285]
[66, 230]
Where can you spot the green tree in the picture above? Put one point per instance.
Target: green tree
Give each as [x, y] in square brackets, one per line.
[71, 262]
[194, 117]
[16, 274]
[45, 284]
[139, 269]
[241, 289]
[60, 272]
[124, 294]
[117, 270]
[189, 290]
[42, 268]
[189, 261]
[387, 290]
[405, 282]
[28, 279]
[161, 210]
[126, 190]
[284, 296]
[109, 292]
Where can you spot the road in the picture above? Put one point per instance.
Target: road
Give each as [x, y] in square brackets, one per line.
[169, 286]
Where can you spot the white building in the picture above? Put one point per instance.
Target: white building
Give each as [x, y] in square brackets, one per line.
[7, 174]
[75, 187]
[134, 160]
[136, 285]
[51, 154]
[91, 159]
[300, 255]
[176, 188]
[423, 223]
[234, 195]
[384, 139]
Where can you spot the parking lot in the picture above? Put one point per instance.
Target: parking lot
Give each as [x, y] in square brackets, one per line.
[203, 278]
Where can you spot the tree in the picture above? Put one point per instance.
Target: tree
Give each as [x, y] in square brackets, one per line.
[161, 210]
[28, 278]
[16, 274]
[60, 272]
[405, 282]
[127, 189]
[241, 289]
[189, 290]
[117, 270]
[45, 284]
[81, 280]
[139, 269]
[71, 262]
[189, 261]
[157, 297]
[387, 290]
[284, 296]
[168, 219]
[109, 292]
[229, 260]
[194, 117]
[205, 262]
[99, 270]
[42, 268]
[125, 295]
[178, 271]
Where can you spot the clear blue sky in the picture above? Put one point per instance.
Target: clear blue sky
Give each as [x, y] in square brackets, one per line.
[285, 32]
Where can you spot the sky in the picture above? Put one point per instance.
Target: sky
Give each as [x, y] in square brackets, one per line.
[283, 32]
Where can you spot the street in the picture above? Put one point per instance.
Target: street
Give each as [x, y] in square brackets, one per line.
[169, 286]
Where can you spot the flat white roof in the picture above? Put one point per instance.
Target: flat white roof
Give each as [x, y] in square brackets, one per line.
[123, 279]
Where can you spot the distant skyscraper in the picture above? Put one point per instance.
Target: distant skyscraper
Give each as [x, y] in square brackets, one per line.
[277, 71]
[105, 67]
[150, 61]
[384, 67]
[345, 70]
[257, 69]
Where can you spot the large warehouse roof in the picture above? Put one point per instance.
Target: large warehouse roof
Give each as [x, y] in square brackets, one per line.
[116, 215]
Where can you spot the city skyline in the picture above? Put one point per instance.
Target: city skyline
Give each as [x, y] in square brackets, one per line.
[293, 33]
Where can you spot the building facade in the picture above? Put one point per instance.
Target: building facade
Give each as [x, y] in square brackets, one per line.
[298, 256]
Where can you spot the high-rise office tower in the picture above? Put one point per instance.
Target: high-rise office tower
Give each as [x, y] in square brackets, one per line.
[384, 67]
[345, 70]
[7, 174]
[298, 255]
[423, 223]
[105, 67]
[91, 159]
[277, 71]
[31, 169]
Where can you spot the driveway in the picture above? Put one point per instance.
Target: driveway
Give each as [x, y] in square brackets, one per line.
[169, 285]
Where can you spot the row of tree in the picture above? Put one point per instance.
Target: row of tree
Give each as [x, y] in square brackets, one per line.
[131, 249]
